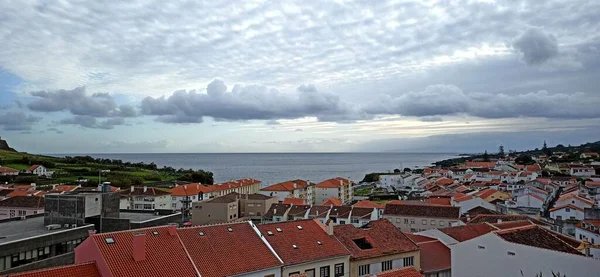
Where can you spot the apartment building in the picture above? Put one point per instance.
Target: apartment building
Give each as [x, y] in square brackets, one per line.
[339, 188]
[419, 217]
[241, 186]
[20, 206]
[145, 199]
[231, 207]
[298, 189]
[377, 247]
[183, 195]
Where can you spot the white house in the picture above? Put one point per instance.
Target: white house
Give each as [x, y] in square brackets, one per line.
[145, 199]
[7, 171]
[581, 171]
[588, 155]
[530, 200]
[291, 189]
[575, 200]
[38, 170]
[569, 211]
[523, 251]
[588, 229]
[339, 188]
[469, 202]
[391, 180]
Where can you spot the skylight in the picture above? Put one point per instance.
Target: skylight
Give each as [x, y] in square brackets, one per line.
[299, 227]
[295, 246]
[319, 242]
[201, 234]
[278, 229]
[109, 240]
[269, 233]
[155, 233]
[230, 229]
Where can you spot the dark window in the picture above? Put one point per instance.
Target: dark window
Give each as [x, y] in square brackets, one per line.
[338, 270]
[362, 243]
[294, 273]
[324, 271]
[310, 273]
[409, 261]
[364, 269]
[386, 265]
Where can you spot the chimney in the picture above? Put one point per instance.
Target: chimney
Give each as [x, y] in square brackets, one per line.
[184, 187]
[91, 232]
[295, 185]
[341, 183]
[172, 230]
[145, 188]
[132, 188]
[499, 220]
[139, 247]
[54, 186]
[329, 227]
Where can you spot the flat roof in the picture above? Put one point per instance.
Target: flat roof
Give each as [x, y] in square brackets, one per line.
[12, 231]
[142, 217]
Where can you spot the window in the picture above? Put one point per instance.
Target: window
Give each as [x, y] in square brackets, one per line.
[398, 220]
[432, 222]
[364, 269]
[22, 213]
[568, 210]
[442, 223]
[174, 205]
[294, 273]
[338, 270]
[174, 198]
[511, 253]
[147, 206]
[354, 220]
[386, 265]
[252, 205]
[408, 261]
[324, 271]
[424, 221]
[412, 221]
[310, 272]
[12, 213]
[406, 221]
[342, 222]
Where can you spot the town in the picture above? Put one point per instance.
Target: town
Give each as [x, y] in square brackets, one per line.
[491, 215]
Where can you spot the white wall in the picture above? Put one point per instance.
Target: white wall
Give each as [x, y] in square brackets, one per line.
[316, 265]
[391, 180]
[529, 201]
[274, 271]
[322, 194]
[581, 234]
[281, 195]
[572, 201]
[468, 260]
[472, 203]
[577, 214]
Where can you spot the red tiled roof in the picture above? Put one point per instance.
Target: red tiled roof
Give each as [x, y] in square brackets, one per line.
[592, 183]
[533, 167]
[294, 201]
[65, 188]
[149, 191]
[438, 201]
[33, 167]
[435, 211]
[233, 184]
[85, 269]
[538, 237]
[368, 204]
[480, 164]
[512, 224]
[419, 238]
[361, 212]
[503, 218]
[305, 239]
[572, 195]
[16, 193]
[288, 186]
[189, 190]
[319, 211]
[588, 225]
[277, 209]
[340, 212]
[215, 253]
[332, 183]
[384, 239]
[566, 206]
[33, 202]
[444, 181]
[4, 169]
[165, 255]
[435, 256]
[402, 272]
[467, 232]
[463, 198]
[332, 201]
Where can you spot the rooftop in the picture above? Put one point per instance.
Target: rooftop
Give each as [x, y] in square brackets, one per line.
[148, 191]
[332, 201]
[467, 232]
[401, 272]
[368, 204]
[277, 209]
[333, 183]
[294, 201]
[302, 241]
[436, 211]
[288, 186]
[32, 202]
[14, 230]
[84, 269]
[377, 238]
[538, 237]
[141, 217]
[435, 256]
[189, 190]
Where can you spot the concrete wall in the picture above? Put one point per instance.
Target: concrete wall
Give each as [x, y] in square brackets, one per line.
[581, 234]
[273, 271]
[375, 263]
[255, 209]
[416, 224]
[5, 212]
[212, 212]
[470, 260]
[64, 209]
[164, 220]
[316, 265]
[576, 214]
[322, 194]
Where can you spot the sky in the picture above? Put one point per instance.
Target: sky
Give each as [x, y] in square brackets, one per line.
[298, 76]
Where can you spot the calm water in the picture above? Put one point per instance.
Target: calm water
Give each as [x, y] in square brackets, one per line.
[271, 168]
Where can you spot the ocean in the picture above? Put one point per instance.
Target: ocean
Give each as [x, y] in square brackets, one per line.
[272, 168]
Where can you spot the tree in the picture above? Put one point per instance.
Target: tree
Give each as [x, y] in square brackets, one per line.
[501, 150]
[524, 159]
[396, 170]
[486, 156]
[546, 150]
[406, 169]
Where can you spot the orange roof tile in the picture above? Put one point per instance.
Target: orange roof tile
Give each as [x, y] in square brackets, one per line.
[566, 206]
[438, 201]
[332, 201]
[305, 239]
[592, 183]
[512, 224]
[368, 204]
[467, 232]
[419, 238]
[463, 198]
[332, 183]
[288, 186]
[294, 201]
[33, 167]
[402, 272]
[435, 256]
[4, 169]
[233, 184]
[189, 190]
[65, 188]
[85, 269]
[215, 252]
[480, 164]
[163, 251]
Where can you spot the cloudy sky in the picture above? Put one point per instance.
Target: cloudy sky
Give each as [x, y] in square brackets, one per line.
[298, 76]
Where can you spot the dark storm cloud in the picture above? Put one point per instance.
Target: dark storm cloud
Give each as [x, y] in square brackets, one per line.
[93, 123]
[246, 103]
[536, 46]
[17, 121]
[437, 100]
[78, 102]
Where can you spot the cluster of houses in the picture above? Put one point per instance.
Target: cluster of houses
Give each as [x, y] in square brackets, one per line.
[38, 170]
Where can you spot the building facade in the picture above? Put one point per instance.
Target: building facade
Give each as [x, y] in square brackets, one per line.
[416, 217]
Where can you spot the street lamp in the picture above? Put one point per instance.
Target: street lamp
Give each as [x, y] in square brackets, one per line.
[99, 174]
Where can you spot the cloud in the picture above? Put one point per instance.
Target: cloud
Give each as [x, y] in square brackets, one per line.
[55, 130]
[78, 103]
[431, 119]
[441, 99]
[130, 146]
[246, 103]
[536, 46]
[88, 121]
[17, 121]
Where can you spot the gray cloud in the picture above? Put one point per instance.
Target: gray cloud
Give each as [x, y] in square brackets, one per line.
[17, 121]
[135, 145]
[441, 99]
[93, 123]
[247, 102]
[55, 130]
[431, 119]
[536, 46]
[78, 103]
